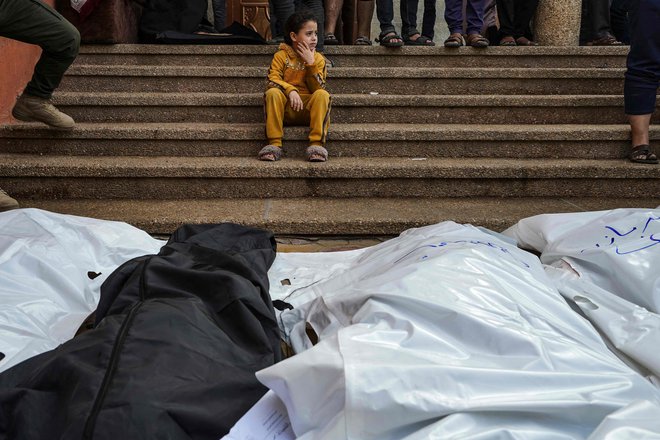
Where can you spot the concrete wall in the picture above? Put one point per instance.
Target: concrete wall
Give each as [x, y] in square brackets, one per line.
[18, 60]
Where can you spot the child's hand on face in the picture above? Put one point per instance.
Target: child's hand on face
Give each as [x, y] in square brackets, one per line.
[304, 52]
[296, 101]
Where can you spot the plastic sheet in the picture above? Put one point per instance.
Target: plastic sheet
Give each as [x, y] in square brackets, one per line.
[444, 332]
[608, 264]
[45, 289]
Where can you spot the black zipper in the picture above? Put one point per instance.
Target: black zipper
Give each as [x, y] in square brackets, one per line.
[88, 432]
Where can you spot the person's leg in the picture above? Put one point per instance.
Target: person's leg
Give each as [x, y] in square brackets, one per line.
[506, 15]
[220, 14]
[332, 11]
[408, 9]
[428, 22]
[619, 20]
[33, 22]
[385, 14]
[316, 8]
[600, 33]
[283, 10]
[318, 105]
[454, 16]
[524, 10]
[643, 75]
[274, 105]
[365, 12]
[474, 15]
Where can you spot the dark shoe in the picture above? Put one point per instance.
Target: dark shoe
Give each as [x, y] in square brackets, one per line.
[276, 41]
[6, 202]
[508, 41]
[477, 40]
[524, 41]
[643, 154]
[330, 40]
[419, 41]
[32, 108]
[454, 40]
[605, 40]
[362, 40]
[390, 40]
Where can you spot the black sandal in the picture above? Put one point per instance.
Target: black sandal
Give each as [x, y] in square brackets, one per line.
[420, 41]
[330, 40]
[643, 154]
[362, 40]
[386, 40]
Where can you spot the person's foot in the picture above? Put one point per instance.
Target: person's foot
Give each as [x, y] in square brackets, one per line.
[7, 202]
[477, 40]
[454, 40]
[605, 40]
[524, 41]
[643, 154]
[508, 41]
[390, 39]
[33, 108]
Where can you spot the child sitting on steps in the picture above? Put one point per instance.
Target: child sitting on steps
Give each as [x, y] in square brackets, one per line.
[296, 90]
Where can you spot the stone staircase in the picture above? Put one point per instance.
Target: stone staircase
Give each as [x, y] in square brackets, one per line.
[169, 134]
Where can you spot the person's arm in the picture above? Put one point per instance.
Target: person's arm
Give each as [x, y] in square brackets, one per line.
[316, 74]
[276, 74]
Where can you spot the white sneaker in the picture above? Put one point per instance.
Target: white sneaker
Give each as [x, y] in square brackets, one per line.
[32, 108]
[6, 202]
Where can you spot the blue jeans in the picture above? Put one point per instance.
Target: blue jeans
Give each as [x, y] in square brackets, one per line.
[409, 18]
[474, 15]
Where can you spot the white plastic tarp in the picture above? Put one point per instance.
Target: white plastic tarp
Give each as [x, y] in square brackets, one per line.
[45, 290]
[445, 332]
[608, 263]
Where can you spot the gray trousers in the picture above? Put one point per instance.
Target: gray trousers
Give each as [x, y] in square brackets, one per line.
[34, 22]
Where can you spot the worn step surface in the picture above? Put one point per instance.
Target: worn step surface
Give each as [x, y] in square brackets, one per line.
[348, 80]
[168, 135]
[349, 108]
[355, 56]
[221, 177]
[344, 140]
[356, 216]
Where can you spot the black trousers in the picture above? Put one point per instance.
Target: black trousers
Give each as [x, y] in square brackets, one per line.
[643, 74]
[514, 16]
[34, 22]
[595, 19]
[408, 9]
[285, 8]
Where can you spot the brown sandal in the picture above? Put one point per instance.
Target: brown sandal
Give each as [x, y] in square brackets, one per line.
[454, 40]
[477, 40]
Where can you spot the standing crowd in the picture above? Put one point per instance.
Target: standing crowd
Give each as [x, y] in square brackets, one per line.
[476, 23]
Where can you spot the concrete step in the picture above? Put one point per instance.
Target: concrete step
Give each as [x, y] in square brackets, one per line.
[137, 177]
[406, 109]
[350, 80]
[355, 56]
[344, 140]
[357, 216]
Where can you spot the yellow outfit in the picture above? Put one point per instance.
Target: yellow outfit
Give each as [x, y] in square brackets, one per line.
[288, 73]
